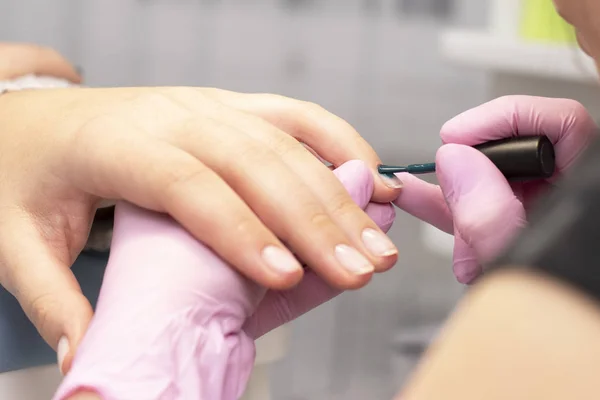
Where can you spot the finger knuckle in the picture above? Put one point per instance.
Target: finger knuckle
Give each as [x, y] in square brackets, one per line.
[320, 220]
[578, 119]
[275, 98]
[310, 108]
[253, 155]
[177, 180]
[245, 226]
[40, 310]
[342, 206]
[578, 110]
[286, 146]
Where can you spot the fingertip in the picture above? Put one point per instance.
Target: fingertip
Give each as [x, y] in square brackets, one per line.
[387, 187]
[279, 281]
[281, 271]
[76, 78]
[62, 321]
[382, 188]
[467, 273]
[387, 264]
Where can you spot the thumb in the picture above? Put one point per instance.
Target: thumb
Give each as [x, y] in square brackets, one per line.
[485, 211]
[41, 280]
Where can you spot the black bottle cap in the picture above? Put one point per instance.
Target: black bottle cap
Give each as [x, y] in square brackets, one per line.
[521, 158]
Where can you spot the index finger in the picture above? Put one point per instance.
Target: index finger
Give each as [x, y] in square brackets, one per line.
[565, 122]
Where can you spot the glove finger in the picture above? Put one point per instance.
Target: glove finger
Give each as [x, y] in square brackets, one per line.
[424, 201]
[280, 307]
[486, 212]
[382, 214]
[465, 265]
[566, 123]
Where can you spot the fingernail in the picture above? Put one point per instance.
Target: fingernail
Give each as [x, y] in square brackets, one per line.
[280, 260]
[61, 352]
[352, 260]
[378, 244]
[391, 180]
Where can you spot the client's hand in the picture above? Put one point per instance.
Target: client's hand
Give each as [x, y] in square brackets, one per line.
[475, 202]
[19, 59]
[234, 169]
[174, 321]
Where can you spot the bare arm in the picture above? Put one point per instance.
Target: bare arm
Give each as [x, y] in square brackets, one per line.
[515, 336]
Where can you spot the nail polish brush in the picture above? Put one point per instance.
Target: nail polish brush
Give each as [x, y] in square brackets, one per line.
[519, 159]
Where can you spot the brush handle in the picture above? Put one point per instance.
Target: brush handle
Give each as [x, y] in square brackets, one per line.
[522, 158]
[519, 159]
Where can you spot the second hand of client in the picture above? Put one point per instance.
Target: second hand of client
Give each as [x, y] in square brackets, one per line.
[519, 159]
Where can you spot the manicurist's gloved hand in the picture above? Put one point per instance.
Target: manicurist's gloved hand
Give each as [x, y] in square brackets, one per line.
[474, 201]
[175, 321]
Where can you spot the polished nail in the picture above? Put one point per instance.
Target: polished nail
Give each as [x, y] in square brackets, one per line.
[61, 352]
[378, 243]
[281, 260]
[352, 260]
[391, 180]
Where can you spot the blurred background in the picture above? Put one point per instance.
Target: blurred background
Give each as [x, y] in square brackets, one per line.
[395, 69]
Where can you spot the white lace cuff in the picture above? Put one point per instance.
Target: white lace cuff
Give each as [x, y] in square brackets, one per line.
[33, 82]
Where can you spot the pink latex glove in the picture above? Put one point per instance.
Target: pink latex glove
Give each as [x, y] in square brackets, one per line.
[174, 321]
[474, 201]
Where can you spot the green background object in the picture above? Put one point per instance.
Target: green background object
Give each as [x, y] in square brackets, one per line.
[540, 22]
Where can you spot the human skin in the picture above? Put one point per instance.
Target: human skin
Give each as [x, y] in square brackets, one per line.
[584, 15]
[518, 334]
[185, 152]
[503, 343]
[174, 321]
